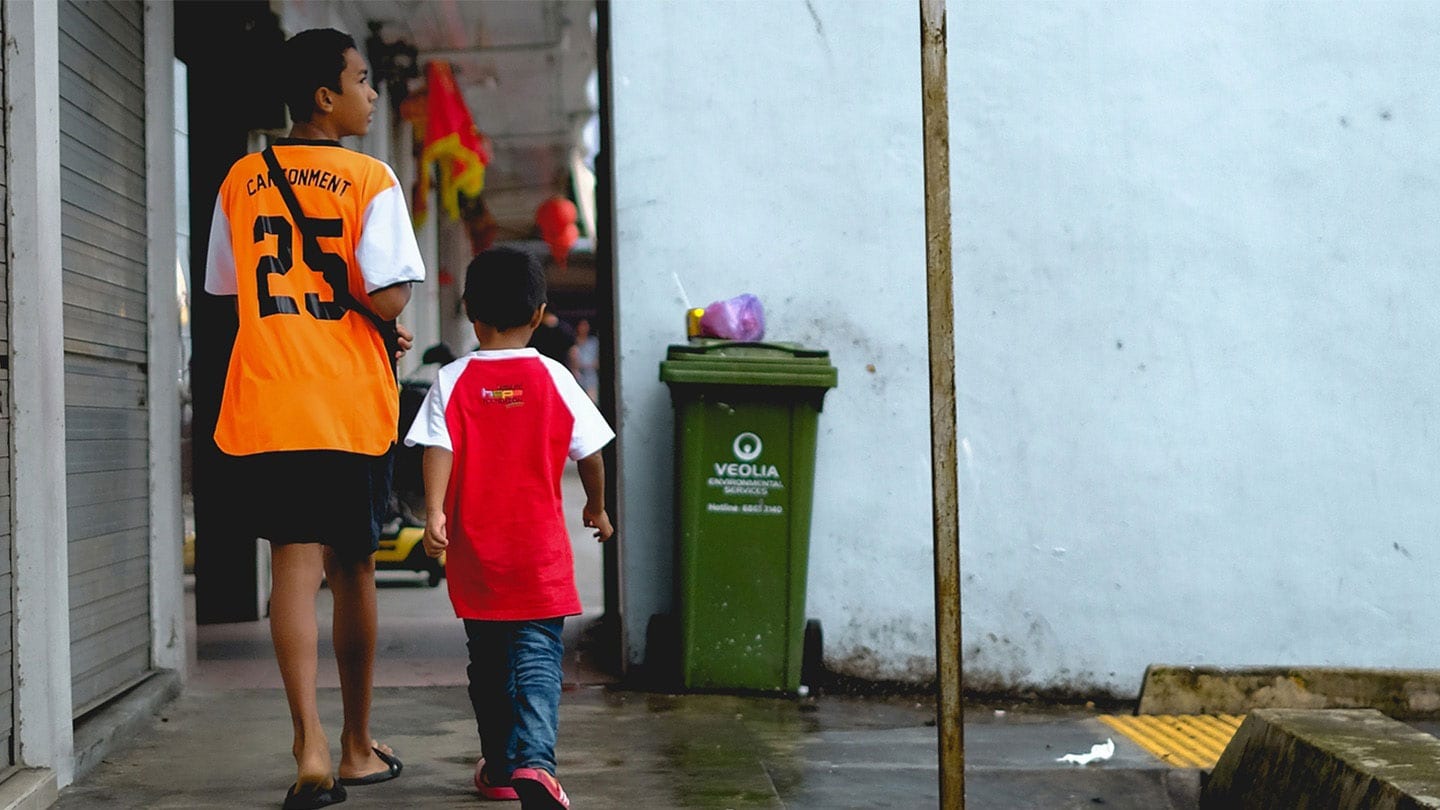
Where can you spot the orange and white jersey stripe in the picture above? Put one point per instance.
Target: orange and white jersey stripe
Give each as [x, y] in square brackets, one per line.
[307, 373]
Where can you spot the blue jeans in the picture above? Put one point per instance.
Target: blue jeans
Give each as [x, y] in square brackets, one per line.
[515, 680]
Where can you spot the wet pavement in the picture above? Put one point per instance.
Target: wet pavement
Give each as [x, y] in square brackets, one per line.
[619, 749]
[224, 743]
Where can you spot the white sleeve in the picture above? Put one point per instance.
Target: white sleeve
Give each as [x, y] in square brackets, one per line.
[388, 253]
[591, 432]
[220, 261]
[429, 428]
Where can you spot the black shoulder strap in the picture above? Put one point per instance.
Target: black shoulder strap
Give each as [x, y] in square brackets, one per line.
[342, 293]
[278, 179]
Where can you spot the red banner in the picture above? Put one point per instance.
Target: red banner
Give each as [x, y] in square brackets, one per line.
[452, 142]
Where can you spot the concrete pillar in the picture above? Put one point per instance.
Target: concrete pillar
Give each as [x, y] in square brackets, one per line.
[422, 317]
[167, 529]
[44, 733]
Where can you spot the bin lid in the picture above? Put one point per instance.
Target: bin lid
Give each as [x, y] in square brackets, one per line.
[707, 361]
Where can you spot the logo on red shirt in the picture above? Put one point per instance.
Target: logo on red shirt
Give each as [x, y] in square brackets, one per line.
[507, 395]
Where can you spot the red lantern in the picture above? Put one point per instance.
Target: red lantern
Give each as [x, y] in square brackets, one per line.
[556, 219]
[561, 243]
[554, 215]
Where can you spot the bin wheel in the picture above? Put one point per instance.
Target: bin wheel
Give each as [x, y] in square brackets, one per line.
[662, 652]
[436, 573]
[812, 659]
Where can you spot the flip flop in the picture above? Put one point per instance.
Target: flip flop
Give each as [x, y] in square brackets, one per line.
[490, 791]
[539, 789]
[393, 768]
[313, 795]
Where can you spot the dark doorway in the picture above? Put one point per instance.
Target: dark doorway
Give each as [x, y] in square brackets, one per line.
[229, 49]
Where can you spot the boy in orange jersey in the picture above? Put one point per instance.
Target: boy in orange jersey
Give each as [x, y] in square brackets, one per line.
[318, 249]
[498, 426]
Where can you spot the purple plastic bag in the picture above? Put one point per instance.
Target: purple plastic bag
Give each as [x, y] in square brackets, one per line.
[738, 318]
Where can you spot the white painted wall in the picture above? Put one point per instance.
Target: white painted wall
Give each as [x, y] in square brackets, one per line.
[775, 148]
[1196, 323]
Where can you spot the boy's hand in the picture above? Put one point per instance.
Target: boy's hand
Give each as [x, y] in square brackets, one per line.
[404, 339]
[600, 522]
[436, 538]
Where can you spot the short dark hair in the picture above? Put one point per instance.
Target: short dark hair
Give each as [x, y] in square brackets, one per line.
[310, 60]
[503, 287]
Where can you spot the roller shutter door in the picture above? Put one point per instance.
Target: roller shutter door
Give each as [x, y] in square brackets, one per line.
[103, 252]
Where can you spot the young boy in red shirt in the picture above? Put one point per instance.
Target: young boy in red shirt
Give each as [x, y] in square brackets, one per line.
[498, 426]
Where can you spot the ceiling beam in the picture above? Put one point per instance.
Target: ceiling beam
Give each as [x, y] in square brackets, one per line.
[486, 50]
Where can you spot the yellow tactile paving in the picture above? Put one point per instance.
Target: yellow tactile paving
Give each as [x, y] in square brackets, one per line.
[1185, 741]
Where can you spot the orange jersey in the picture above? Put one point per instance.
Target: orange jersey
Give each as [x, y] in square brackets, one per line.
[307, 373]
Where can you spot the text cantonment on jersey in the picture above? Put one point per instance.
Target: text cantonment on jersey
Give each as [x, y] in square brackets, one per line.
[319, 178]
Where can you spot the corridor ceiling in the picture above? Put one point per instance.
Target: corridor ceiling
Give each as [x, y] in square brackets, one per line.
[525, 67]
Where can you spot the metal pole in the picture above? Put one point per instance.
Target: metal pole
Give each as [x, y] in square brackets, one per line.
[940, 295]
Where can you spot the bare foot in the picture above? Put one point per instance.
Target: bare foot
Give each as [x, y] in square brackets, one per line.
[358, 763]
[312, 761]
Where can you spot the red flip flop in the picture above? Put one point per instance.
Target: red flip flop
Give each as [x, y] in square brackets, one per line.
[490, 790]
[539, 788]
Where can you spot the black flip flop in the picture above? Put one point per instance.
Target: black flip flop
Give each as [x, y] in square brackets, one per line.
[312, 796]
[393, 768]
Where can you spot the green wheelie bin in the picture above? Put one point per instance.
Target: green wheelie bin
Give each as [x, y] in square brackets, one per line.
[745, 421]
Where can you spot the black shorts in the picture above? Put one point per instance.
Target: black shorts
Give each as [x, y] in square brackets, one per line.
[315, 496]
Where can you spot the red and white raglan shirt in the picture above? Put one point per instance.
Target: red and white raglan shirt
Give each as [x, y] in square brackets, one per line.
[512, 418]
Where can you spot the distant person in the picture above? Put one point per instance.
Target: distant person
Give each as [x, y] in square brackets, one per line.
[309, 409]
[585, 360]
[553, 338]
[498, 426]
[430, 362]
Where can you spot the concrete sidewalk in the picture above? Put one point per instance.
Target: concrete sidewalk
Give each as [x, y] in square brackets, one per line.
[227, 749]
[225, 742]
